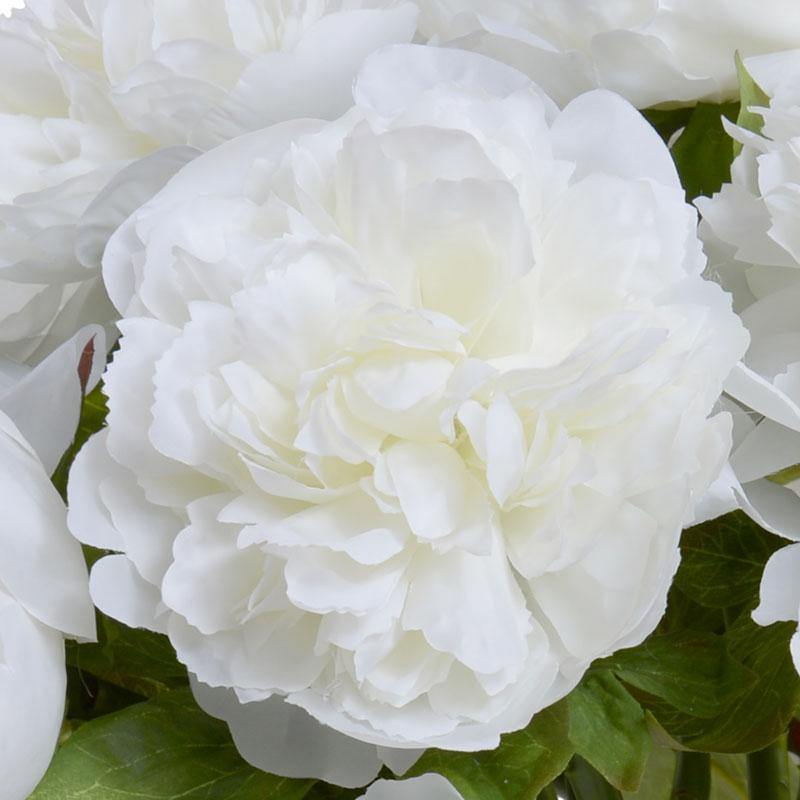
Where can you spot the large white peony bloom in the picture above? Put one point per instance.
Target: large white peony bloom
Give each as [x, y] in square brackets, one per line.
[90, 87]
[650, 51]
[410, 408]
[43, 581]
[750, 229]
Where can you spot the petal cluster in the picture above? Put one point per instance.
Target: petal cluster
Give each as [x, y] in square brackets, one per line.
[650, 51]
[409, 408]
[750, 232]
[750, 229]
[99, 102]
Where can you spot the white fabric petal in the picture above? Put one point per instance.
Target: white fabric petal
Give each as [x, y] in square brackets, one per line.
[651, 51]
[52, 392]
[42, 564]
[87, 516]
[632, 148]
[280, 738]
[430, 786]
[119, 591]
[794, 649]
[469, 606]
[412, 71]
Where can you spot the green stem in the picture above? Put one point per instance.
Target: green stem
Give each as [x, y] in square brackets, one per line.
[588, 784]
[768, 772]
[548, 793]
[692, 777]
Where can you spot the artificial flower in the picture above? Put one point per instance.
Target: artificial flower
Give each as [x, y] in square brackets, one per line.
[750, 231]
[409, 409]
[99, 102]
[650, 51]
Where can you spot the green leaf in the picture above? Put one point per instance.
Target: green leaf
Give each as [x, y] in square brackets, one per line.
[668, 122]
[703, 153]
[721, 567]
[89, 697]
[684, 614]
[785, 476]
[523, 764]
[690, 670]
[758, 715]
[164, 749]
[762, 713]
[608, 728]
[137, 660]
[93, 416]
[751, 95]
[722, 561]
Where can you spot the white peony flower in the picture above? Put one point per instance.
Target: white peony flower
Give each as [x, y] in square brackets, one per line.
[43, 597]
[409, 409]
[750, 229]
[90, 87]
[650, 51]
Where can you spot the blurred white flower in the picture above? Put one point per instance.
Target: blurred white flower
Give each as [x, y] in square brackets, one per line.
[44, 594]
[650, 51]
[409, 410]
[750, 230]
[89, 87]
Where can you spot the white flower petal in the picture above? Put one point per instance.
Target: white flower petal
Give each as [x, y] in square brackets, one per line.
[431, 787]
[42, 564]
[120, 591]
[281, 738]
[780, 592]
[87, 516]
[630, 150]
[52, 391]
[650, 51]
[411, 73]
[33, 682]
[469, 606]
